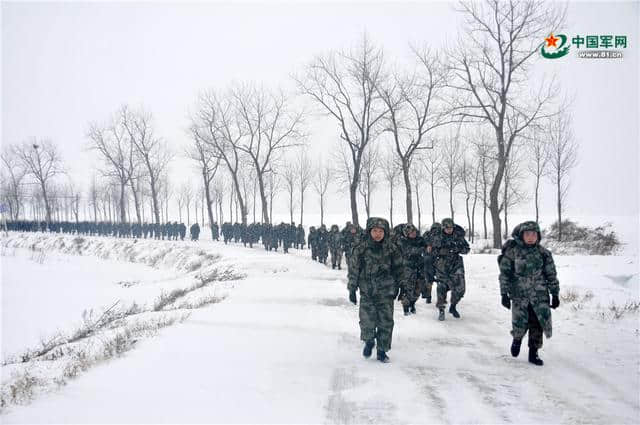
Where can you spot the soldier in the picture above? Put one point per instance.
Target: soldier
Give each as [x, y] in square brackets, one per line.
[311, 242]
[412, 246]
[447, 246]
[300, 237]
[527, 277]
[215, 234]
[350, 236]
[322, 243]
[335, 247]
[195, 231]
[182, 229]
[429, 260]
[377, 270]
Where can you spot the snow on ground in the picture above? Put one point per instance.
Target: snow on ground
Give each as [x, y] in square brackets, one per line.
[284, 347]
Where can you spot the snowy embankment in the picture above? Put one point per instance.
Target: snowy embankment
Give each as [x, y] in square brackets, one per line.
[284, 347]
[69, 303]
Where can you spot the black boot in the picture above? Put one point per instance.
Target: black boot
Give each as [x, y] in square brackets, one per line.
[406, 309]
[533, 357]
[441, 315]
[368, 348]
[428, 299]
[412, 308]
[382, 357]
[452, 310]
[515, 347]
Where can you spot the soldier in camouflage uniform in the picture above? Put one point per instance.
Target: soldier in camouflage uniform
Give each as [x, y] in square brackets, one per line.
[527, 277]
[377, 269]
[312, 242]
[351, 234]
[335, 247]
[322, 244]
[429, 260]
[447, 246]
[412, 246]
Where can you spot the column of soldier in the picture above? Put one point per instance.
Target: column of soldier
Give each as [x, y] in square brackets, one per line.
[168, 231]
[385, 264]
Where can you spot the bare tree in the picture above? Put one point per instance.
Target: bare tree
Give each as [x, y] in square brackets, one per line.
[450, 172]
[344, 85]
[538, 166]
[304, 174]
[269, 127]
[417, 177]
[289, 177]
[322, 177]
[414, 109]
[150, 149]
[42, 162]
[486, 163]
[433, 173]
[216, 123]
[391, 171]
[512, 189]
[563, 156]
[468, 173]
[369, 178]
[12, 183]
[491, 66]
[274, 184]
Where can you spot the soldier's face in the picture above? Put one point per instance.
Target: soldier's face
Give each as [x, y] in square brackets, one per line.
[530, 237]
[353, 230]
[448, 230]
[377, 234]
[412, 234]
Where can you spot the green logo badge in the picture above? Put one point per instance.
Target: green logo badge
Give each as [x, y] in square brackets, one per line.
[551, 50]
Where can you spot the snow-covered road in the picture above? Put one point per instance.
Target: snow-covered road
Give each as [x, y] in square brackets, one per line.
[284, 348]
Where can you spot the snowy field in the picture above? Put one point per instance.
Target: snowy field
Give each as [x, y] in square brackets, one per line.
[283, 346]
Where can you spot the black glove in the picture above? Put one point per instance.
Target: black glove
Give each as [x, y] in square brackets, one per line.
[506, 302]
[352, 297]
[555, 301]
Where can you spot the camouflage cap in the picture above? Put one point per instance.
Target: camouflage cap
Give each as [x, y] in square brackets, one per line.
[408, 228]
[524, 227]
[447, 222]
[335, 227]
[377, 222]
[436, 226]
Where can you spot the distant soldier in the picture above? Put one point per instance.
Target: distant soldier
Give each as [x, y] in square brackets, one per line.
[412, 246]
[300, 237]
[195, 231]
[312, 242]
[429, 260]
[351, 234]
[448, 245]
[215, 231]
[377, 270]
[527, 277]
[182, 229]
[322, 244]
[335, 247]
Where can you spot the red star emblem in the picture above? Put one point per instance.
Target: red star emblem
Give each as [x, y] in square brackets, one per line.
[551, 40]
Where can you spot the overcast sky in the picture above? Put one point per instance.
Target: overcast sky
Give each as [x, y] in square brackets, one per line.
[66, 64]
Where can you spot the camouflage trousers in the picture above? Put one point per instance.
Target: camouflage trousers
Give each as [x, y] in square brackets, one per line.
[336, 257]
[524, 319]
[376, 321]
[454, 283]
[414, 287]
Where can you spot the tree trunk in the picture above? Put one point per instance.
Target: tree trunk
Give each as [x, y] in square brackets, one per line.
[321, 209]
[391, 204]
[559, 194]
[123, 212]
[536, 197]
[353, 191]
[407, 188]
[266, 210]
[433, 202]
[136, 202]
[301, 204]
[419, 209]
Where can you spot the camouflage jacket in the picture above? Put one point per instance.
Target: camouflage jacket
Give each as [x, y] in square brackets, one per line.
[527, 272]
[412, 250]
[377, 269]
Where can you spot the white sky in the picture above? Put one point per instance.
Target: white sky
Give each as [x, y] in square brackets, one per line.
[66, 64]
